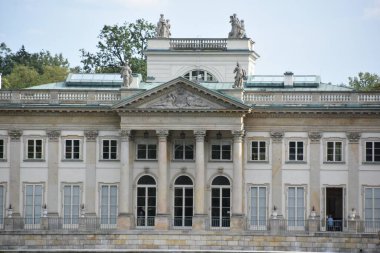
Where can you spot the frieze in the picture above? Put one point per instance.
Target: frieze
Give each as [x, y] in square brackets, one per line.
[315, 137]
[53, 135]
[353, 137]
[15, 134]
[91, 135]
[276, 136]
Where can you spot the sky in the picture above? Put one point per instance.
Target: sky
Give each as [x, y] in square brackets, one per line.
[331, 38]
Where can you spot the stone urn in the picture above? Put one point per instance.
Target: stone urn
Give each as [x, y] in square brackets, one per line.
[313, 213]
[44, 211]
[353, 214]
[10, 211]
[274, 212]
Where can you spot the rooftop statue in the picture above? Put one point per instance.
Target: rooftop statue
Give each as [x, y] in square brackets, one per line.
[240, 74]
[237, 28]
[163, 28]
[126, 74]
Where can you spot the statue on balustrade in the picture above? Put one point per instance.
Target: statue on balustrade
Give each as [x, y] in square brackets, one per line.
[126, 74]
[237, 28]
[240, 75]
[163, 28]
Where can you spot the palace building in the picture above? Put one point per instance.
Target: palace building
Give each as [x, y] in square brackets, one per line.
[194, 147]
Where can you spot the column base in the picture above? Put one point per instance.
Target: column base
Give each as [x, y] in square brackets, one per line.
[161, 222]
[237, 222]
[313, 225]
[199, 222]
[125, 221]
[276, 225]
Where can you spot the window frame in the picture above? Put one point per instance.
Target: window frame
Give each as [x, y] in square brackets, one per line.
[266, 146]
[146, 142]
[72, 138]
[101, 185]
[220, 143]
[304, 152]
[71, 224]
[220, 222]
[369, 226]
[26, 149]
[184, 143]
[326, 149]
[296, 226]
[101, 150]
[258, 226]
[35, 218]
[364, 147]
[203, 72]
[146, 221]
[3, 204]
[4, 139]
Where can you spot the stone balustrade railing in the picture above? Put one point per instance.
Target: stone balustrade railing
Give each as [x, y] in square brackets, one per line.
[300, 98]
[191, 44]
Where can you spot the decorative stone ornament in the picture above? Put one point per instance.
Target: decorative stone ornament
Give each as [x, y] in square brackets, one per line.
[352, 214]
[53, 135]
[15, 134]
[125, 134]
[163, 28]
[315, 137]
[126, 74]
[91, 135]
[240, 75]
[237, 28]
[353, 137]
[276, 136]
[44, 211]
[313, 213]
[10, 211]
[274, 212]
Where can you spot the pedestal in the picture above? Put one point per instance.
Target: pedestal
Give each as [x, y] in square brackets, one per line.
[313, 225]
[199, 222]
[125, 221]
[161, 222]
[237, 223]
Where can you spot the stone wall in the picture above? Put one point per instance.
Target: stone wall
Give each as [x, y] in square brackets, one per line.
[187, 240]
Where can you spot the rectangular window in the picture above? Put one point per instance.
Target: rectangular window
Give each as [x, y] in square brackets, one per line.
[221, 150]
[34, 149]
[183, 150]
[71, 204]
[258, 206]
[109, 150]
[146, 151]
[296, 206]
[72, 149]
[334, 151]
[2, 149]
[108, 208]
[258, 151]
[33, 203]
[372, 151]
[372, 208]
[2, 205]
[295, 151]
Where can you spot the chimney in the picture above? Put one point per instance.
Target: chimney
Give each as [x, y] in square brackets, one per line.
[288, 79]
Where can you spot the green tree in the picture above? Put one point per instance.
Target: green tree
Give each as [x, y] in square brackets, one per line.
[118, 44]
[365, 82]
[21, 77]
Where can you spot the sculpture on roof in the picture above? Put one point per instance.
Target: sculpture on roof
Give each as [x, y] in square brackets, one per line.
[240, 75]
[126, 74]
[163, 28]
[237, 28]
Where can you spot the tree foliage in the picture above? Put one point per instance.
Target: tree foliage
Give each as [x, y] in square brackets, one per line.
[22, 69]
[365, 82]
[118, 44]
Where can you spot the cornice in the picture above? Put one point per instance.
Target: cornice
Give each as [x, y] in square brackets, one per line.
[312, 114]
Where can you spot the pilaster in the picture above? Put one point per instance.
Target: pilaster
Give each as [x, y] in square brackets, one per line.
[277, 138]
[15, 184]
[90, 185]
[53, 184]
[353, 170]
[199, 219]
[315, 169]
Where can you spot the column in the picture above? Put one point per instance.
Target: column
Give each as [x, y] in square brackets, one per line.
[53, 183]
[162, 219]
[90, 185]
[237, 219]
[277, 171]
[125, 220]
[353, 188]
[200, 216]
[15, 184]
[315, 168]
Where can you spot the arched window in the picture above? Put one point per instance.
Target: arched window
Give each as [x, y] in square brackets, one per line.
[146, 201]
[200, 75]
[220, 202]
[183, 202]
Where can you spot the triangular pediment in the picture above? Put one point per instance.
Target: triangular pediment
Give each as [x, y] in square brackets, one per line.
[180, 94]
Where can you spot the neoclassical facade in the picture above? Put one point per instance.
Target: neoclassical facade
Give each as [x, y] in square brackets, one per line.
[188, 150]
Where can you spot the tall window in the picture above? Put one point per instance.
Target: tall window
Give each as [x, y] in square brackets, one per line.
[109, 149]
[2, 149]
[296, 206]
[146, 201]
[183, 201]
[183, 150]
[200, 75]
[146, 151]
[296, 149]
[372, 151]
[334, 151]
[258, 151]
[2, 205]
[258, 206]
[108, 208]
[35, 149]
[372, 208]
[220, 202]
[71, 204]
[72, 149]
[221, 150]
[33, 203]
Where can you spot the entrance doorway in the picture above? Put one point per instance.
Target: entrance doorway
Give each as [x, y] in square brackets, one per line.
[334, 208]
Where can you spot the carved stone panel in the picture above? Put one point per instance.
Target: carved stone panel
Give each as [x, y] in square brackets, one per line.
[315, 137]
[15, 134]
[353, 137]
[276, 136]
[91, 135]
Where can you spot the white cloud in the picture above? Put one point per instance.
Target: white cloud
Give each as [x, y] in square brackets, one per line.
[373, 11]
